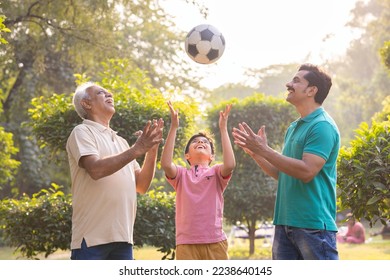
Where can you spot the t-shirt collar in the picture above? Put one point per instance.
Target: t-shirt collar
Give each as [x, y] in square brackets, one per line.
[312, 115]
[99, 126]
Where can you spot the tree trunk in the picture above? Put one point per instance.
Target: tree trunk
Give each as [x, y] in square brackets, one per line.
[252, 238]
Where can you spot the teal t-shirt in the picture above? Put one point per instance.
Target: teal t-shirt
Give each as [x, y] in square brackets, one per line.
[313, 204]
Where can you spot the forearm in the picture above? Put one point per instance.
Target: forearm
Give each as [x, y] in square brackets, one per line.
[267, 167]
[167, 153]
[99, 168]
[229, 161]
[146, 174]
[293, 167]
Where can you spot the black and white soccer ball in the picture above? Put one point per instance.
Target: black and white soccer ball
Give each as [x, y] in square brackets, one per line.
[204, 44]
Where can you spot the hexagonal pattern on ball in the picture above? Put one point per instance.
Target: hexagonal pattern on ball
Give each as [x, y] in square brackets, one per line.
[204, 44]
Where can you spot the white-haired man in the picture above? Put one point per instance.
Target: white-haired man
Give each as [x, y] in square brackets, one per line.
[106, 177]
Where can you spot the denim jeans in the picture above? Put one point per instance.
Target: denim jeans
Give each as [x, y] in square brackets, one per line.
[110, 251]
[292, 243]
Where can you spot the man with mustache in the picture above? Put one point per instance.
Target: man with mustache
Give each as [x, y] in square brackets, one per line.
[305, 208]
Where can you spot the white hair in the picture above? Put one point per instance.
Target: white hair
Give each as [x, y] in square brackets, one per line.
[80, 94]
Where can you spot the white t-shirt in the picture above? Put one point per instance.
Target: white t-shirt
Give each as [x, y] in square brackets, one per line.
[104, 210]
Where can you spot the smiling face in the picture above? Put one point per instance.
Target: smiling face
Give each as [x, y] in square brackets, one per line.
[100, 103]
[299, 90]
[199, 150]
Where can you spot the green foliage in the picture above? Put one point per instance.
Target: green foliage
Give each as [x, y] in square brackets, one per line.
[42, 223]
[251, 193]
[136, 102]
[272, 79]
[383, 115]
[8, 165]
[364, 173]
[155, 222]
[385, 54]
[361, 80]
[50, 41]
[52, 120]
[3, 28]
[228, 91]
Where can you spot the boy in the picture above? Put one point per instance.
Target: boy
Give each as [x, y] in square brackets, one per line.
[199, 192]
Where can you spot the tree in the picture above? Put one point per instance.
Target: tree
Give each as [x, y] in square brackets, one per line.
[52, 119]
[361, 80]
[8, 165]
[228, 91]
[385, 54]
[136, 102]
[50, 41]
[251, 193]
[272, 79]
[3, 28]
[364, 173]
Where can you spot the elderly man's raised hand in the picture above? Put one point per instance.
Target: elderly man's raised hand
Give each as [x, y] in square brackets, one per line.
[150, 137]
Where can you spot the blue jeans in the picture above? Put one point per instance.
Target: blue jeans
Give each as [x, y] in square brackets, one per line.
[110, 251]
[292, 243]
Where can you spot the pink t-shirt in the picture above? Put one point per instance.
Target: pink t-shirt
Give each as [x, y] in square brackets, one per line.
[356, 233]
[199, 204]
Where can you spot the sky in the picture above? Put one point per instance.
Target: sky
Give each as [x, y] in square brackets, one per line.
[259, 33]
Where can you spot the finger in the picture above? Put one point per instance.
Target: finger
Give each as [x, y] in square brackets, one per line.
[171, 108]
[146, 129]
[227, 109]
[262, 131]
[160, 123]
[239, 135]
[248, 129]
[240, 144]
[138, 133]
[240, 131]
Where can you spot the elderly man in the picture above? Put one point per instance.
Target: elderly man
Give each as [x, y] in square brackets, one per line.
[106, 177]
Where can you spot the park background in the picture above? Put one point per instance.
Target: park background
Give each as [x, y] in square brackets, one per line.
[135, 49]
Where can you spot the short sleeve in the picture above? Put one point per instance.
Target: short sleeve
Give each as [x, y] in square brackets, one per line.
[81, 142]
[321, 140]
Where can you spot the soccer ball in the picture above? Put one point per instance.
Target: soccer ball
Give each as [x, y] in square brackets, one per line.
[204, 44]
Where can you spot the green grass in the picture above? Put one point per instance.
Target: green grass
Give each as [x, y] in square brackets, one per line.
[375, 249]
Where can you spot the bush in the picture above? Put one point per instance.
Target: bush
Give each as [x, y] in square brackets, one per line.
[363, 173]
[43, 223]
[155, 222]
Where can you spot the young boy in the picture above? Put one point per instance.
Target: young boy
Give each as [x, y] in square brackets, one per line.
[199, 192]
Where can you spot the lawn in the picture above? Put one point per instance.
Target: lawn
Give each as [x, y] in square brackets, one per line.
[374, 249]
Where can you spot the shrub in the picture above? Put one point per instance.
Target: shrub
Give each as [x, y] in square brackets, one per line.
[42, 223]
[38, 224]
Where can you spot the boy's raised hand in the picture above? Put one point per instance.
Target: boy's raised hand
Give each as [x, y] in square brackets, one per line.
[174, 115]
[223, 116]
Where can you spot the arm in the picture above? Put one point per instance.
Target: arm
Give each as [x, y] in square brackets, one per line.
[98, 168]
[305, 169]
[167, 154]
[229, 161]
[145, 175]
[267, 167]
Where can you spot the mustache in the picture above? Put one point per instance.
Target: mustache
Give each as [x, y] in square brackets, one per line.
[290, 88]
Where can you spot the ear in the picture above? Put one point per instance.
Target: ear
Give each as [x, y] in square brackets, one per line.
[212, 157]
[187, 156]
[312, 91]
[86, 104]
